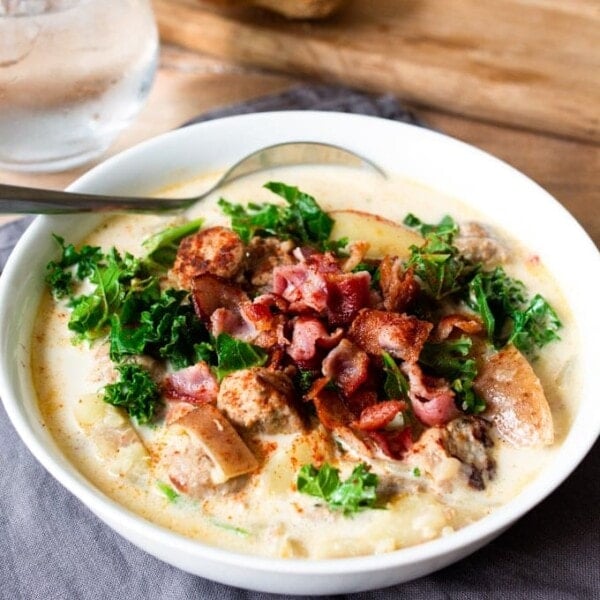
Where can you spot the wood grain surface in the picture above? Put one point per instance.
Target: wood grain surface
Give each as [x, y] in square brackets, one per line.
[530, 63]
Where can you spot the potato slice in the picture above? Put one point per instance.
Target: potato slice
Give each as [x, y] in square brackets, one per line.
[384, 236]
[220, 441]
[515, 399]
[115, 440]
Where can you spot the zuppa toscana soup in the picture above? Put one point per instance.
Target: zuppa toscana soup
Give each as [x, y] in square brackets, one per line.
[332, 366]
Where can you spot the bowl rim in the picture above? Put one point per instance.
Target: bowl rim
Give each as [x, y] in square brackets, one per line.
[111, 511]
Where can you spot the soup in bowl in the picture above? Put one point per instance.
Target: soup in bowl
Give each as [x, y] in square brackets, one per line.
[315, 370]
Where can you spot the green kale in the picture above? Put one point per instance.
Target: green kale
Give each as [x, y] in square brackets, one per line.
[355, 494]
[116, 279]
[450, 359]
[437, 262]
[303, 381]
[508, 316]
[60, 273]
[395, 385]
[164, 328]
[161, 248]
[301, 219]
[168, 491]
[445, 229]
[233, 355]
[135, 391]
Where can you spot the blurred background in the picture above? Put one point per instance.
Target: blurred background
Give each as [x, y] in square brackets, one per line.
[518, 78]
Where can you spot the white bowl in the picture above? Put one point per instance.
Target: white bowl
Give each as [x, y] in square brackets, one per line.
[509, 198]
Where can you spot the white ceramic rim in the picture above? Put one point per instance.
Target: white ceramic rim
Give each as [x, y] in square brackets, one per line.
[308, 126]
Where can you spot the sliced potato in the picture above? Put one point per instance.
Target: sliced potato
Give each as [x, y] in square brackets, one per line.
[116, 442]
[384, 236]
[515, 399]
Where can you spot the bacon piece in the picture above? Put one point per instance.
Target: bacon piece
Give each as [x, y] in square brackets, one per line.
[318, 284]
[261, 325]
[394, 444]
[347, 294]
[376, 331]
[217, 250]
[231, 322]
[309, 334]
[302, 287]
[331, 410]
[379, 415]
[195, 384]
[431, 397]
[210, 293]
[362, 399]
[399, 287]
[466, 323]
[337, 418]
[348, 366]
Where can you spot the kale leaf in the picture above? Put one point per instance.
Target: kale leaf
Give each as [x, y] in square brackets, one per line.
[350, 496]
[161, 248]
[60, 273]
[395, 385]
[301, 219]
[118, 280]
[164, 328]
[233, 355]
[507, 314]
[450, 359]
[437, 262]
[135, 391]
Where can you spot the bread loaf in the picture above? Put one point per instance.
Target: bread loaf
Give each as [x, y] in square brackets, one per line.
[292, 9]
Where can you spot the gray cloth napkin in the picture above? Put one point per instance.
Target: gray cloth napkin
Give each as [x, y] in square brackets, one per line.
[53, 547]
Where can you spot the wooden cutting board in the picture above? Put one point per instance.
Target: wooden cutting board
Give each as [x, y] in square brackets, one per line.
[529, 63]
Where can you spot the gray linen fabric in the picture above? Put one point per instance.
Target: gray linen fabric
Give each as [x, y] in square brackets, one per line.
[54, 548]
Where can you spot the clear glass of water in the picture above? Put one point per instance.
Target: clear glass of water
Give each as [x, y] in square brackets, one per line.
[73, 74]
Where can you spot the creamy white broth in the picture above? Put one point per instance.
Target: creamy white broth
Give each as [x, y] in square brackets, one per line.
[267, 516]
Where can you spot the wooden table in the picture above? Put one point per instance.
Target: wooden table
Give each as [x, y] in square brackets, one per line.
[188, 84]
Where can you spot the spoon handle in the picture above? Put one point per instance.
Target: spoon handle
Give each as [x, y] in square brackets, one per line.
[17, 199]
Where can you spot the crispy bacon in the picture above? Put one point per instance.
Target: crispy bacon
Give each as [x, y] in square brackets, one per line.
[401, 335]
[308, 335]
[304, 288]
[266, 315]
[331, 410]
[348, 366]
[210, 292]
[319, 285]
[231, 322]
[377, 416]
[431, 397]
[195, 384]
[399, 287]
[393, 443]
[347, 294]
[467, 323]
[362, 399]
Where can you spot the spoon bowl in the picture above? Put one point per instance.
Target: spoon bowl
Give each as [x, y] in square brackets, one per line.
[17, 199]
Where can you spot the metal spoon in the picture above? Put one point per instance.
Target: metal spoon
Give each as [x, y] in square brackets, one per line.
[16, 199]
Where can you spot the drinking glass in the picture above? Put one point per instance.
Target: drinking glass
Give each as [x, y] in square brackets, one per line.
[73, 74]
